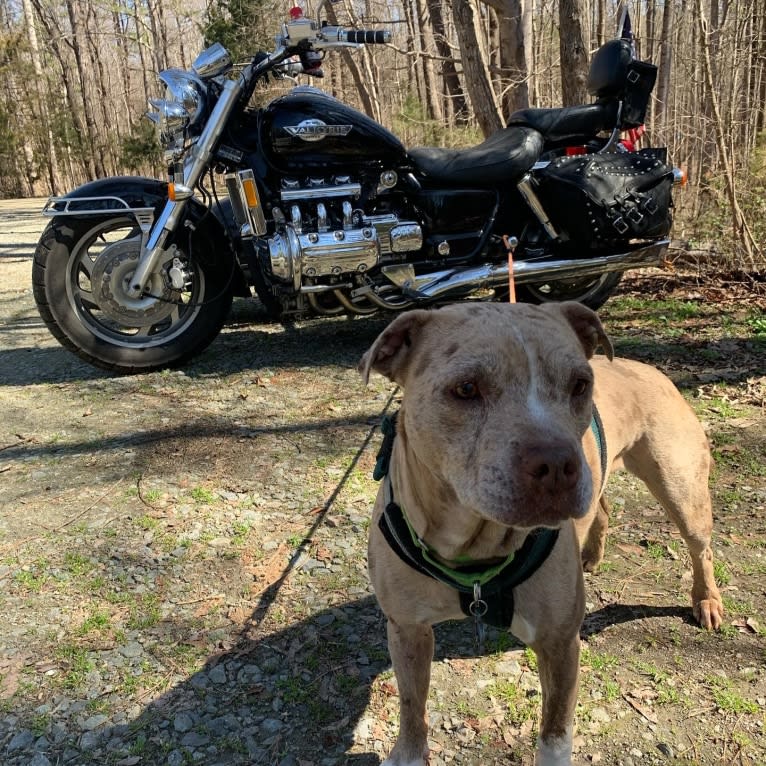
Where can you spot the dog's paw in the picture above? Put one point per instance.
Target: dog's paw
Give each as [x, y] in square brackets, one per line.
[590, 561]
[592, 555]
[554, 751]
[709, 613]
[398, 760]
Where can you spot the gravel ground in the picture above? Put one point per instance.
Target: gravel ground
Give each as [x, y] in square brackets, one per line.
[182, 559]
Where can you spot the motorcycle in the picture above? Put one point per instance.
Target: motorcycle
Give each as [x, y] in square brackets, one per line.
[326, 212]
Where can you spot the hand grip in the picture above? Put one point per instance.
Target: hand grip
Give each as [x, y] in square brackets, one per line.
[368, 36]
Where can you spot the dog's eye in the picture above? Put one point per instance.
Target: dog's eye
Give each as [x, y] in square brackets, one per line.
[580, 387]
[466, 390]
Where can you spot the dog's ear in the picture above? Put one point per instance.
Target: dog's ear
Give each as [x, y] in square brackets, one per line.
[588, 327]
[388, 353]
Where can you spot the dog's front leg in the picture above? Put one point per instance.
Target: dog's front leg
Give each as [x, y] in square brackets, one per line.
[411, 647]
[558, 660]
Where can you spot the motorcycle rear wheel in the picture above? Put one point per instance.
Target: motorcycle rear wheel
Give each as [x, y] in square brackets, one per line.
[80, 271]
[592, 292]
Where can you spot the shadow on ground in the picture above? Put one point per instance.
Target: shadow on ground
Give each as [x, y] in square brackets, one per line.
[286, 697]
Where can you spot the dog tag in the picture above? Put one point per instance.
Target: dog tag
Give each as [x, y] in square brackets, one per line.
[478, 608]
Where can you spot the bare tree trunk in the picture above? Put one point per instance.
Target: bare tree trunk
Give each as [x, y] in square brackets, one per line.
[109, 126]
[369, 105]
[119, 23]
[601, 24]
[52, 164]
[761, 58]
[651, 24]
[663, 86]
[427, 46]
[475, 70]
[573, 46]
[515, 26]
[740, 227]
[454, 96]
[413, 46]
[57, 40]
[140, 47]
[74, 11]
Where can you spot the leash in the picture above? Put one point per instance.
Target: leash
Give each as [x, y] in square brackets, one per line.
[511, 243]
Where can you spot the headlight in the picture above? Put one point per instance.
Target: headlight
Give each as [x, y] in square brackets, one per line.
[181, 108]
[212, 61]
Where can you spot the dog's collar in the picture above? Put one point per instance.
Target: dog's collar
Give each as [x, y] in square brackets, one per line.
[465, 576]
[597, 427]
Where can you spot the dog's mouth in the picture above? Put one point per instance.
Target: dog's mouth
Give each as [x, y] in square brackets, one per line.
[529, 504]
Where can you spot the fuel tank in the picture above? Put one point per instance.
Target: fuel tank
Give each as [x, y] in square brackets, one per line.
[307, 128]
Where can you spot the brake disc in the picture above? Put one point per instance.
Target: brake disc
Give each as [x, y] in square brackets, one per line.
[110, 280]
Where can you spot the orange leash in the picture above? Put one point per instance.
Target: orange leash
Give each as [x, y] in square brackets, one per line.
[510, 245]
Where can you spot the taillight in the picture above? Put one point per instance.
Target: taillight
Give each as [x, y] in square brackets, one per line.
[679, 177]
[573, 151]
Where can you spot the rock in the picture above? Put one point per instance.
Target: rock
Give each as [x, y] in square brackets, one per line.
[271, 726]
[508, 668]
[194, 739]
[217, 674]
[90, 740]
[600, 715]
[21, 740]
[94, 722]
[131, 650]
[666, 750]
[183, 722]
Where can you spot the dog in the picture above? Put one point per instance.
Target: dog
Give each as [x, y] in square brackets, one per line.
[490, 505]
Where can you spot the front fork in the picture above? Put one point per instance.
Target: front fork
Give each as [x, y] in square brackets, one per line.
[153, 238]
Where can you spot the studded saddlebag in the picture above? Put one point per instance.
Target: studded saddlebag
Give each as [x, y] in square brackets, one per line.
[600, 198]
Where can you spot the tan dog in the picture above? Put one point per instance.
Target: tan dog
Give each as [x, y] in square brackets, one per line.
[494, 439]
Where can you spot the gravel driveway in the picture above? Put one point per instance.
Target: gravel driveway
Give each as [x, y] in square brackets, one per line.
[182, 559]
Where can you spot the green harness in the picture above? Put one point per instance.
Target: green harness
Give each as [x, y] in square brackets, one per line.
[486, 592]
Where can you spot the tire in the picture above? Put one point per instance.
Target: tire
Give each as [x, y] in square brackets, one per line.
[80, 266]
[592, 292]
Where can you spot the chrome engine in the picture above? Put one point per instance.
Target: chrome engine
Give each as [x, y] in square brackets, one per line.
[322, 234]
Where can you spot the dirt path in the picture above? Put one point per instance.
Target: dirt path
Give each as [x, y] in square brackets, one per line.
[182, 556]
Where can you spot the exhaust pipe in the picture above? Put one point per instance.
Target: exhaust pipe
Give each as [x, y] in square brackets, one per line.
[460, 282]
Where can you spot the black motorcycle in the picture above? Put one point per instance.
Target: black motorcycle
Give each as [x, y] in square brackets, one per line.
[326, 212]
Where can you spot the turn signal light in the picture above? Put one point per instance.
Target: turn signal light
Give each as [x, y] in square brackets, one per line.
[251, 193]
[179, 192]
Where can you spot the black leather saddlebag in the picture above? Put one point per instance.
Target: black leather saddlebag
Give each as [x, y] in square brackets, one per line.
[595, 199]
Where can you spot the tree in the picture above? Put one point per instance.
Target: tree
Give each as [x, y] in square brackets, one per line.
[475, 72]
[574, 46]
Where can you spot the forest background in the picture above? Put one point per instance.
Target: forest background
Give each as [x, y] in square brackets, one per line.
[76, 76]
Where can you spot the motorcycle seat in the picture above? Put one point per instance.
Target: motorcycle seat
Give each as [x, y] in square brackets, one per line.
[570, 123]
[505, 156]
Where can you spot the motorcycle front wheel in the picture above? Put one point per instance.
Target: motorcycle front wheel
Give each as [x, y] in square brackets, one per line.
[82, 268]
[592, 292]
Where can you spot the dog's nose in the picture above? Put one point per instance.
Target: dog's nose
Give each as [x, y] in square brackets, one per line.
[551, 466]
